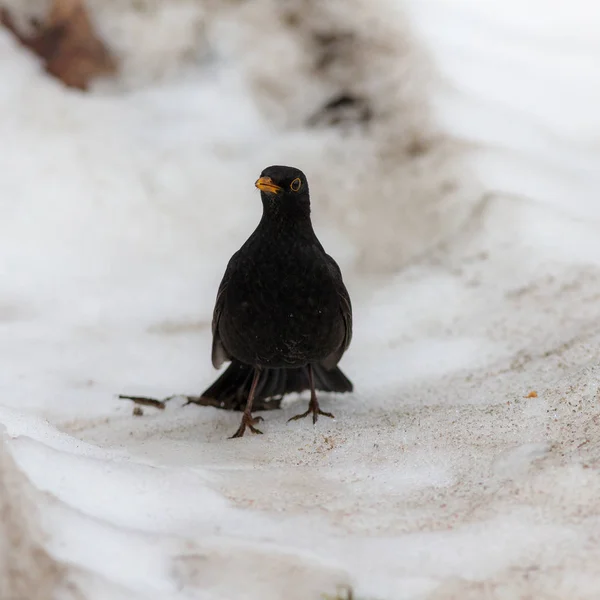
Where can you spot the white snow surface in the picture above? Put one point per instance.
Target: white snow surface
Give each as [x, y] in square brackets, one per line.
[442, 476]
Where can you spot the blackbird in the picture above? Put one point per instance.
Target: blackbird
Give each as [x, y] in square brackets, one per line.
[282, 316]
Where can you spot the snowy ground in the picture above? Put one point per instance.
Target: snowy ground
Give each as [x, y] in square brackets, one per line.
[440, 477]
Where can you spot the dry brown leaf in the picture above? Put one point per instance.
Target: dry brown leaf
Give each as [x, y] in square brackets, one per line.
[67, 44]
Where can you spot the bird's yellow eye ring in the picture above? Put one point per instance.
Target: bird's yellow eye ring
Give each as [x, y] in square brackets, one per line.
[296, 184]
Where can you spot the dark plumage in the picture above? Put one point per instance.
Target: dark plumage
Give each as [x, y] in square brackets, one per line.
[283, 316]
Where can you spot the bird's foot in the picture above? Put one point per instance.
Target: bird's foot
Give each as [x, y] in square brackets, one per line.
[313, 407]
[247, 421]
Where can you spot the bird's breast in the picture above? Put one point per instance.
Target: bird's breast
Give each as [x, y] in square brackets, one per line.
[281, 311]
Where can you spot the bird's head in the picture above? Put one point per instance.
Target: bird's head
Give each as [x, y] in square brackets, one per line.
[284, 188]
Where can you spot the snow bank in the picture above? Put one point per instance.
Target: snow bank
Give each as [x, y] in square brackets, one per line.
[27, 570]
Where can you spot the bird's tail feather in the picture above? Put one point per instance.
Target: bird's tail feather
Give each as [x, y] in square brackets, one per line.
[231, 389]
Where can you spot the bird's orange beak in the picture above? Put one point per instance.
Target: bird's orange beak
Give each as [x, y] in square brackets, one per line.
[265, 184]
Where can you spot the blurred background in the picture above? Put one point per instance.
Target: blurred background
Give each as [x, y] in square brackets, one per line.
[452, 151]
[136, 131]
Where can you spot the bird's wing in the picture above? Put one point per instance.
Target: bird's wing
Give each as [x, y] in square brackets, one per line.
[219, 355]
[345, 303]
[345, 309]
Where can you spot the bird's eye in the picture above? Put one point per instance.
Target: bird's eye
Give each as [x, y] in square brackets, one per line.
[296, 184]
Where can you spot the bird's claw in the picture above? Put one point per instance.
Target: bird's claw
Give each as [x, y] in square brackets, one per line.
[247, 421]
[315, 410]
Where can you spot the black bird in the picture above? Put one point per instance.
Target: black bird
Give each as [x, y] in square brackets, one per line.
[282, 316]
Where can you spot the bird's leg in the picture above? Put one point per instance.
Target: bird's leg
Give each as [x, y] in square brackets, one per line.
[247, 419]
[313, 405]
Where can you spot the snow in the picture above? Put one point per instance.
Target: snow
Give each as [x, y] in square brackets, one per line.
[473, 264]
